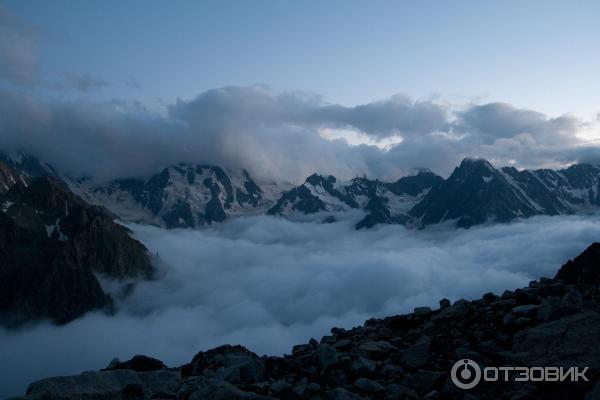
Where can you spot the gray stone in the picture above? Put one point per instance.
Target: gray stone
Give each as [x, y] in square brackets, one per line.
[423, 381]
[444, 303]
[368, 386]
[552, 309]
[553, 289]
[328, 339]
[160, 382]
[525, 310]
[363, 366]
[343, 344]
[301, 349]
[593, 394]
[216, 389]
[504, 303]
[399, 392]
[433, 395]
[280, 386]
[391, 371]
[417, 355]
[459, 309]
[328, 356]
[522, 321]
[89, 385]
[375, 350]
[508, 319]
[569, 341]
[338, 331]
[422, 310]
[241, 369]
[341, 394]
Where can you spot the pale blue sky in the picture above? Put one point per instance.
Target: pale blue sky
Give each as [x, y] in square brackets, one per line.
[543, 55]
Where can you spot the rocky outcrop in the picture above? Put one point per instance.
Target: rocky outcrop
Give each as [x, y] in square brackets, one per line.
[9, 177]
[549, 323]
[584, 269]
[52, 245]
[121, 384]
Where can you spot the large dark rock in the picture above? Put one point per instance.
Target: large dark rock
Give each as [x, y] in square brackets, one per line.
[569, 341]
[139, 363]
[583, 269]
[120, 384]
[236, 364]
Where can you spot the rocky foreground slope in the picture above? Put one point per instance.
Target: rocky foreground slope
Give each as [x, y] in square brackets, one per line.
[552, 322]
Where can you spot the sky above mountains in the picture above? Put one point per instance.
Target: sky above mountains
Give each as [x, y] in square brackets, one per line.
[123, 88]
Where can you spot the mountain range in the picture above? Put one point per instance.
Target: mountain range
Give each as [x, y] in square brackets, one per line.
[191, 196]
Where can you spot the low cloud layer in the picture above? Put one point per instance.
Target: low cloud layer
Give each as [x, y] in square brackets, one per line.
[268, 283]
[280, 135]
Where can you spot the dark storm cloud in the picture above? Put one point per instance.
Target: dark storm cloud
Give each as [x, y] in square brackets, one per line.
[18, 50]
[281, 135]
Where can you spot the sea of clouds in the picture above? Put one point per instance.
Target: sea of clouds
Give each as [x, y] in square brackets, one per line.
[269, 283]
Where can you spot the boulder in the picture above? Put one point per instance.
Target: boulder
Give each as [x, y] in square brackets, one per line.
[569, 341]
[106, 385]
[368, 386]
[216, 389]
[341, 394]
[375, 350]
[139, 363]
[417, 355]
[583, 269]
[233, 363]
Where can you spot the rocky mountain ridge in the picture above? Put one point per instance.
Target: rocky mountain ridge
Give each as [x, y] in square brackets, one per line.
[475, 193]
[552, 322]
[182, 196]
[191, 196]
[52, 247]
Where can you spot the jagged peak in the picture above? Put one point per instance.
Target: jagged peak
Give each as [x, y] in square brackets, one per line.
[474, 165]
[475, 161]
[423, 171]
[318, 179]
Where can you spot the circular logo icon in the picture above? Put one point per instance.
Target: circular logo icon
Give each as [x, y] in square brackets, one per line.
[465, 374]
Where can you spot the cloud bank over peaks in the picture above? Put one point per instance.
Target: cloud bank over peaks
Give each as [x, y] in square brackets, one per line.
[283, 135]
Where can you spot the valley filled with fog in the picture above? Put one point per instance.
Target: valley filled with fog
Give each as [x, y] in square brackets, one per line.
[269, 283]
